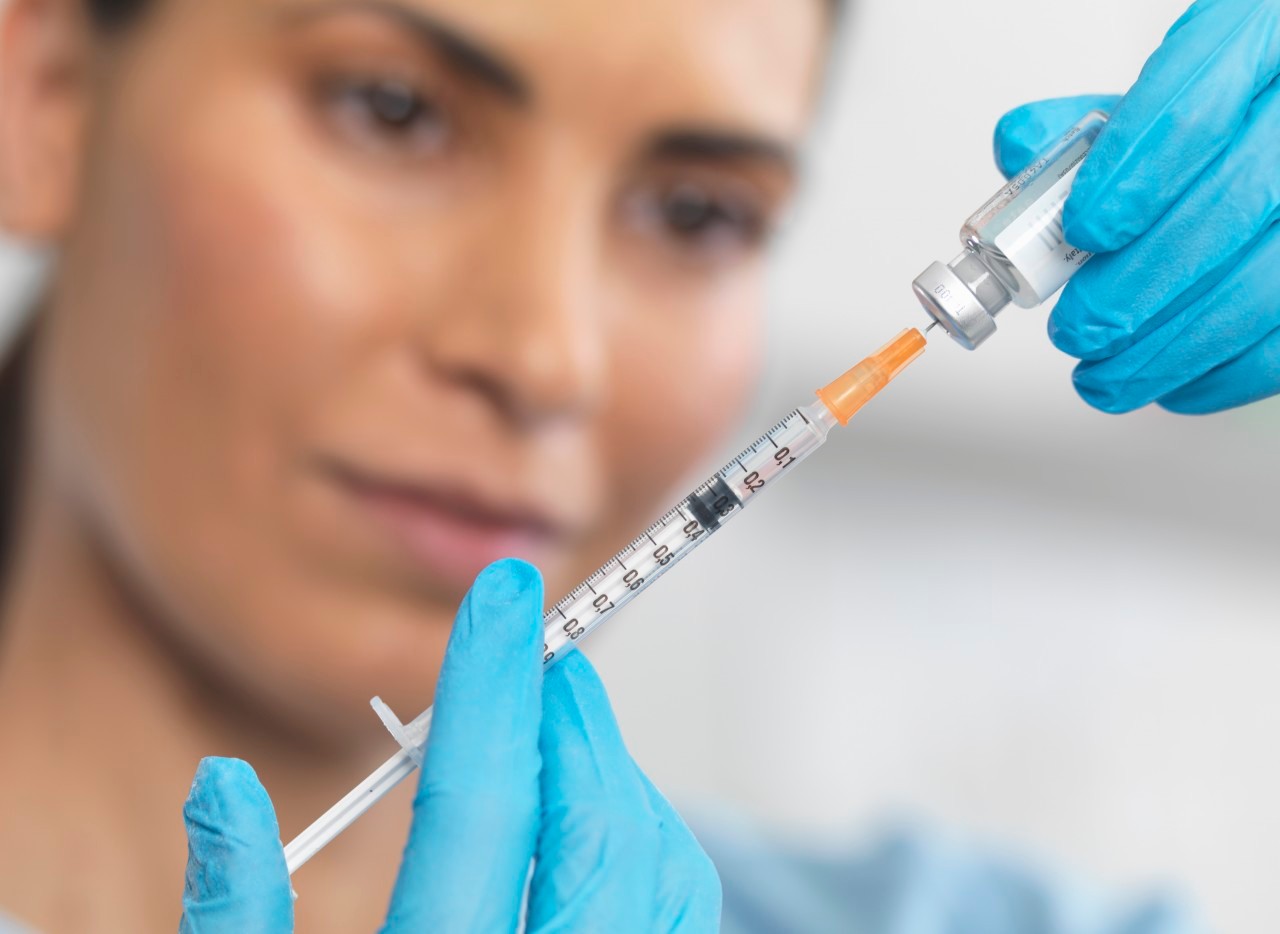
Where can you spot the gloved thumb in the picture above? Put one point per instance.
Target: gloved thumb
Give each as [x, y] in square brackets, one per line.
[237, 880]
[1025, 132]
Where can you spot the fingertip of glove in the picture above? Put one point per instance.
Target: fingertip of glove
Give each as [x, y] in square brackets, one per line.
[1015, 141]
[1025, 132]
[495, 648]
[1196, 400]
[1087, 323]
[1087, 226]
[574, 665]
[502, 589]
[1104, 395]
[1187, 407]
[510, 578]
[577, 714]
[1064, 338]
[573, 675]
[1065, 332]
[220, 785]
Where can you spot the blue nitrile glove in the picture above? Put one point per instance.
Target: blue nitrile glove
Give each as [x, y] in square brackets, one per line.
[1181, 198]
[516, 768]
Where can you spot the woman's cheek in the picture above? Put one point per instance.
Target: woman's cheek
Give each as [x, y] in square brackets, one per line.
[682, 384]
[239, 302]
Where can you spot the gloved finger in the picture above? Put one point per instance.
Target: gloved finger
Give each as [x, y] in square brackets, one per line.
[1250, 377]
[600, 841]
[1025, 132]
[475, 816]
[689, 896]
[1216, 326]
[1118, 297]
[1188, 104]
[1191, 13]
[236, 879]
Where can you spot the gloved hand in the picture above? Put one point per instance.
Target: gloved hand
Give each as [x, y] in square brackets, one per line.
[1180, 198]
[516, 768]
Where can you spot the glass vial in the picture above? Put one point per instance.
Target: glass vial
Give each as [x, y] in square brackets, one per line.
[1014, 247]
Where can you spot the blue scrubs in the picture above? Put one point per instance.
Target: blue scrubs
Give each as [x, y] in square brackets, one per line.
[911, 882]
[905, 882]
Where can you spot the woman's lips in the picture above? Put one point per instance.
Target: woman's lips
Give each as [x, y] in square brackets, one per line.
[450, 536]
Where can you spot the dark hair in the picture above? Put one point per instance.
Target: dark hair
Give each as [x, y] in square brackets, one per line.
[109, 14]
[13, 402]
[15, 361]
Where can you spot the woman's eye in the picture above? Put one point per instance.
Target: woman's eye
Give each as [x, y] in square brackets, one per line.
[695, 219]
[387, 114]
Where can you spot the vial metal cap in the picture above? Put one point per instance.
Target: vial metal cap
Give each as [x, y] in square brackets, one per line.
[963, 297]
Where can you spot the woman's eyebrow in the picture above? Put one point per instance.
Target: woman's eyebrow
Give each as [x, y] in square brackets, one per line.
[464, 55]
[715, 145]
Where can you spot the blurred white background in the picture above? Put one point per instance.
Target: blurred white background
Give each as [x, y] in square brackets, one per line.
[985, 605]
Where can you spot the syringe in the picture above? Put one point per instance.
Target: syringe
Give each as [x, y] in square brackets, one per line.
[636, 567]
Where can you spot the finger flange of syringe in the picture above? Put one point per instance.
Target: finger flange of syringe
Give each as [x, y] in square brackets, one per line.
[699, 516]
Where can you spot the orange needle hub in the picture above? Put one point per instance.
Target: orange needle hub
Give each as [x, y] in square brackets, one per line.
[847, 395]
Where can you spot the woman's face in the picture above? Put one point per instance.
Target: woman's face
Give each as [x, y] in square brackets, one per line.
[360, 296]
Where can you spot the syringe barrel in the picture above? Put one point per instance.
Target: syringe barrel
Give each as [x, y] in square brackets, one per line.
[1015, 249]
[682, 529]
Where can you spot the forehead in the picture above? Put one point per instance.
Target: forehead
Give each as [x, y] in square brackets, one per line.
[744, 61]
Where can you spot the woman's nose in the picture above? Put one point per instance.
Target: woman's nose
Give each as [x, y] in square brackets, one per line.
[527, 330]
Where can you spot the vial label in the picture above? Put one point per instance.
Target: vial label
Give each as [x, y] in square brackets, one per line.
[1033, 240]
